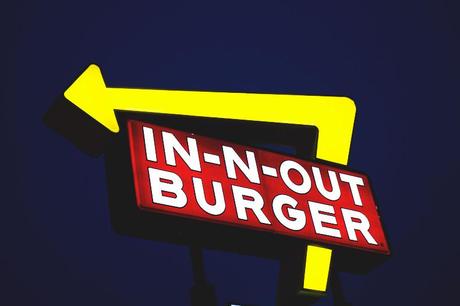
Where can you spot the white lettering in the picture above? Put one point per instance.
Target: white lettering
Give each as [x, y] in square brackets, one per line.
[284, 172]
[240, 195]
[332, 195]
[171, 145]
[317, 211]
[354, 182]
[352, 226]
[298, 215]
[232, 158]
[175, 187]
[149, 142]
[216, 209]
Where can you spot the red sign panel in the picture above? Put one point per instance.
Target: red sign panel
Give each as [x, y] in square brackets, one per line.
[211, 180]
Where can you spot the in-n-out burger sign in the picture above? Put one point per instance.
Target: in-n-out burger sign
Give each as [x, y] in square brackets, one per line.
[198, 177]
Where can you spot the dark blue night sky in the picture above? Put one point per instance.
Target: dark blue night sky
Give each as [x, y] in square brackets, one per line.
[398, 60]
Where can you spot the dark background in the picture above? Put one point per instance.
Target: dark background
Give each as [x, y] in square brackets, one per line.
[399, 61]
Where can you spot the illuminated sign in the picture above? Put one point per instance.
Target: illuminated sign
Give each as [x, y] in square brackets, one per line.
[189, 175]
[241, 186]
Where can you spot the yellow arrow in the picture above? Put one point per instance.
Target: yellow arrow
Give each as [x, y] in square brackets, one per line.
[333, 116]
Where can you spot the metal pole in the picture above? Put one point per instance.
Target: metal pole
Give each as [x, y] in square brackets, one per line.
[202, 293]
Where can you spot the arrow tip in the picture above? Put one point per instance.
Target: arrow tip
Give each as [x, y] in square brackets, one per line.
[88, 92]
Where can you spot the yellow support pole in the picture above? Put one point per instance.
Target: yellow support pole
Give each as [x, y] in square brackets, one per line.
[317, 263]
